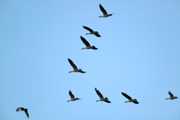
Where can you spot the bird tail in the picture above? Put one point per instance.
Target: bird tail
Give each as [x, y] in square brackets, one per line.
[88, 33]
[83, 48]
[167, 98]
[70, 71]
[101, 16]
[126, 101]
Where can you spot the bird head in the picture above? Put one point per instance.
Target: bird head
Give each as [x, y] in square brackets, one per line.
[110, 15]
[97, 34]
[93, 47]
[135, 101]
[176, 97]
[80, 70]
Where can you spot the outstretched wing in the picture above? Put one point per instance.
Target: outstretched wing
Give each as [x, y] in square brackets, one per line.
[72, 64]
[85, 41]
[71, 94]
[126, 95]
[19, 109]
[170, 94]
[26, 112]
[103, 10]
[99, 93]
[88, 29]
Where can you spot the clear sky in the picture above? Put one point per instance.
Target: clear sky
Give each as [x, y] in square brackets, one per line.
[138, 53]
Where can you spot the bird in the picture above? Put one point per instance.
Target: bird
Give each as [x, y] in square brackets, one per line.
[25, 110]
[87, 44]
[171, 96]
[101, 97]
[72, 97]
[91, 31]
[104, 12]
[75, 68]
[130, 99]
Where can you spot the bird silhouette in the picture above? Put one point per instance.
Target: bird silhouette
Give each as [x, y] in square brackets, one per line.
[87, 44]
[91, 31]
[104, 12]
[171, 96]
[72, 97]
[25, 110]
[130, 99]
[75, 68]
[101, 97]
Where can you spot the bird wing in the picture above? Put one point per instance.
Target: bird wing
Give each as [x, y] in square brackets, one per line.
[170, 94]
[103, 9]
[85, 41]
[26, 112]
[71, 94]
[19, 109]
[99, 93]
[126, 95]
[72, 64]
[88, 29]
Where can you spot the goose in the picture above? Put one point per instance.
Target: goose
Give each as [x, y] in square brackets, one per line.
[87, 44]
[25, 110]
[104, 12]
[130, 99]
[72, 97]
[101, 97]
[91, 31]
[171, 96]
[75, 68]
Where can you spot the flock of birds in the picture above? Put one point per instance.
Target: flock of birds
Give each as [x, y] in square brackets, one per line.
[100, 95]
[75, 69]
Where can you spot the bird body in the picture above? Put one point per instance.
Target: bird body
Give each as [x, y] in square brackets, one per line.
[25, 110]
[101, 97]
[87, 44]
[91, 31]
[130, 99]
[104, 12]
[171, 96]
[75, 68]
[72, 97]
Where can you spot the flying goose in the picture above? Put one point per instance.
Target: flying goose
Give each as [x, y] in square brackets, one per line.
[130, 99]
[75, 68]
[104, 12]
[72, 97]
[25, 110]
[91, 31]
[87, 44]
[101, 97]
[171, 96]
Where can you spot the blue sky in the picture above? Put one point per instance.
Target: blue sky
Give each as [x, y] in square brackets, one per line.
[138, 54]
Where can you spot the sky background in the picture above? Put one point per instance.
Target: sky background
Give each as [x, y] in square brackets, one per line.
[138, 53]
